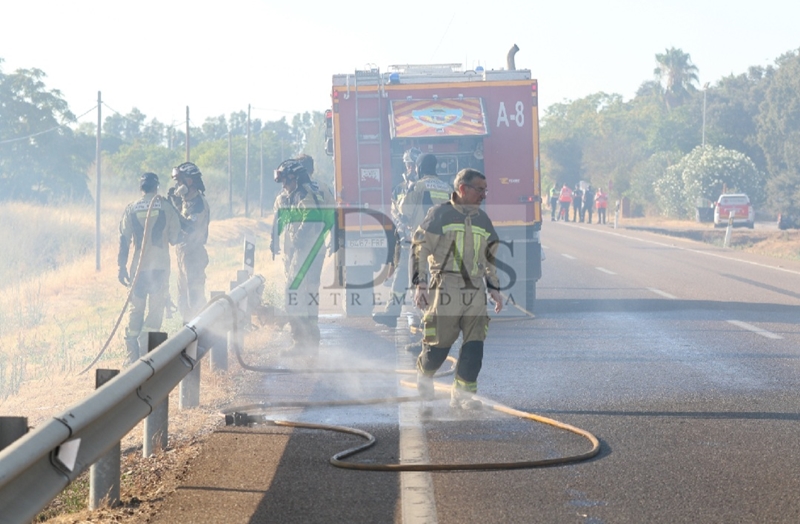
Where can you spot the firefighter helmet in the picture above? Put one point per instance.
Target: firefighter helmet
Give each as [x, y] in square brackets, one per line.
[186, 169]
[411, 155]
[290, 169]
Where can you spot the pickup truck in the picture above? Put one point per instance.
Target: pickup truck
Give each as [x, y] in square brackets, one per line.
[735, 204]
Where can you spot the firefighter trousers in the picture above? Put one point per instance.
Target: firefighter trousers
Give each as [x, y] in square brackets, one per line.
[455, 309]
[400, 283]
[302, 298]
[150, 294]
[192, 263]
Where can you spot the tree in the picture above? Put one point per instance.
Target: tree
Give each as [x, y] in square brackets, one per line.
[41, 158]
[703, 175]
[677, 75]
[779, 132]
[646, 175]
[733, 110]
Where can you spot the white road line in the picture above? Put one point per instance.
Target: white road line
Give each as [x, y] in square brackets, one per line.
[754, 329]
[604, 270]
[418, 504]
[662, 293]
[567, 256]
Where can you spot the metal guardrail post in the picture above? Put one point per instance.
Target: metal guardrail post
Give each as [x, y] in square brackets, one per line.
[189, 389]
[12, 428]
[104, 475]
[219, 350]
[156, 425]
[242, 275]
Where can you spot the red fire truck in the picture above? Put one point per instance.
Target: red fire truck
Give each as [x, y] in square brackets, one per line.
[487, 120]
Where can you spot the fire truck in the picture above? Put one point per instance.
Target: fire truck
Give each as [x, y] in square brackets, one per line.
[482, 119]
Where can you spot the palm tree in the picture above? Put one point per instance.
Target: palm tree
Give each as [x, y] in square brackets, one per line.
[677, 74]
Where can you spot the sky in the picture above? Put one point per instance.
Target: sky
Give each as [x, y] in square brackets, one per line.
[279, 56]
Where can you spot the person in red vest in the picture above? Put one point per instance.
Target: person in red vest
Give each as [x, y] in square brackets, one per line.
[564, 200]
[601, 202]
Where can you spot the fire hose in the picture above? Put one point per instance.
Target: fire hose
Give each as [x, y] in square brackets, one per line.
[239, 416]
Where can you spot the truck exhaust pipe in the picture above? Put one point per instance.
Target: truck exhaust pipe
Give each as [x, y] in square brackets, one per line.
[510, 58]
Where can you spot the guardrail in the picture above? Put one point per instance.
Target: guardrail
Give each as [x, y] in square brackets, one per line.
[38, 466]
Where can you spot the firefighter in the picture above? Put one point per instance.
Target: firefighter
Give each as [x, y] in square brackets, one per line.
[301, 229]
[388, 317]
[423, 194]
[152, 284]
[324, 199]
[453, 254]
[188, 197]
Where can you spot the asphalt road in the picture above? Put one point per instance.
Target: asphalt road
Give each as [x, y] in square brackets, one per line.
[682, 358]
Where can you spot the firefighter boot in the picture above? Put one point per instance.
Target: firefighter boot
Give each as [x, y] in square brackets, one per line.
[132, 345]
[463, 399]
[425, 386]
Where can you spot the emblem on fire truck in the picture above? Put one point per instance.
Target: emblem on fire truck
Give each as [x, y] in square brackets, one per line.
[437, 117]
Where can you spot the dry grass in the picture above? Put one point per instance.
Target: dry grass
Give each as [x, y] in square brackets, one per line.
[768, 241]
[54, 318]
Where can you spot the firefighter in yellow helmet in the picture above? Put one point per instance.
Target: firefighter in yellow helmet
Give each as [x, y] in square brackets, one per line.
[452, 266]
[151, 291]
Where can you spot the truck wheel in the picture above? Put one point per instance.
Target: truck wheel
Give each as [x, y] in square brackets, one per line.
[359, 289]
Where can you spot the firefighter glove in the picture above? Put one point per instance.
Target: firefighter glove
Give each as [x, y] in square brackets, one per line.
[124, 278]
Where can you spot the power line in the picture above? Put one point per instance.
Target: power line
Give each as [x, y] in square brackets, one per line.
[59, 126]
[443, 35]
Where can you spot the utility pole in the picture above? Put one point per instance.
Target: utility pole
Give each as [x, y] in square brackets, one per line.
[705, 88]
[247, 165]
[187, 133]
[97, 188]
[261, 175]
[230, 173]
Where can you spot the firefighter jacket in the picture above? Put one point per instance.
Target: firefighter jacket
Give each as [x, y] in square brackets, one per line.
[195, 216]
[426, 193]
[324, 193]
[399, 193]
[455, 240]
[296, 218]
[163, 228]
